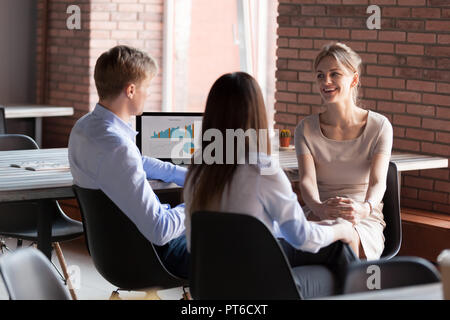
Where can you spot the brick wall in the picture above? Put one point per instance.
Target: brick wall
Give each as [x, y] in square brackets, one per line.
[71, 54]
[405, 75]
[66, 79]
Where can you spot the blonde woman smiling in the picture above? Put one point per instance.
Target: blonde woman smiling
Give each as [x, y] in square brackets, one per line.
[343, 153]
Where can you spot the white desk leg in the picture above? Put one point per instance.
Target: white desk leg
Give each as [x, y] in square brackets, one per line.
[38, 131]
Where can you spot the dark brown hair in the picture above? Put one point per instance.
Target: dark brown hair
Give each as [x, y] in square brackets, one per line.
[234, 102]
[120, 66]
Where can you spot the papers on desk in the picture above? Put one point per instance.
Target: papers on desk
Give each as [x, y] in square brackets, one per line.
[42, 166]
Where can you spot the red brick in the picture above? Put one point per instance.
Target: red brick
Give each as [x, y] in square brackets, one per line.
[302, 21]
[422, 37]
[391, 83]
[380, 47]
[442, 186]
[436, 124]
[407, 145]
[443, 112]
[436, 75]
[308, 98]
[441, 208]
[313, 10]
[288, 10]
[421, 62]
[390, 106]
[286, 75]
[412, 25]
[416, 85]
[443, 39]
[300, 65]
[391, 36]
[443, 137]
[409, 192]
[337, 33]
[377, 93]
[443, 87]
[399, 132]
[416, 204]
[282, 107]
[409, 3]
[328, 21]
[433, 196]
[420, 110]
[299, 87]
[379, 70]
[364, 34]
[439, 99]
[396, 12]
[407, 96]
[431, 13]
[287, 32]
[285, 96]
[421, 183]
[301, 43]
[299, 109]
[311, 32]
[413, 73]
[286, 118]
[437, 25]
[391, 59]
[407, 121]
[442, 174]
[418, 134]
[409, 49]
[287, 53]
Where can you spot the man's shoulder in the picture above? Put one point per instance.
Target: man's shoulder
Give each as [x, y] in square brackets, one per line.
[94, 131]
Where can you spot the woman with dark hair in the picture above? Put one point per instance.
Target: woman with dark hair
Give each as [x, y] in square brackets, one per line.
[235, 104]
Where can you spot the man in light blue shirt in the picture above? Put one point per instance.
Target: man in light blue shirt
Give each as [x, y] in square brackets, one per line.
[103, 154]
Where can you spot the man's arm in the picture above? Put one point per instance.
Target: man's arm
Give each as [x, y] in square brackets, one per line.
[165, 171]
[122, 178]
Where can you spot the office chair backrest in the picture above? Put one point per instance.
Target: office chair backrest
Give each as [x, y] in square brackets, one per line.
[120, 252]
[19, 215]
[29, 275]
[16, 142]
[235, 256]
[391, 212]
[393, 273]
[2, 121]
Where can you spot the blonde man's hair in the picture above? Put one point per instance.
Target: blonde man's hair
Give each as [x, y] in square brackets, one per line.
[118, 67]
[346, 57]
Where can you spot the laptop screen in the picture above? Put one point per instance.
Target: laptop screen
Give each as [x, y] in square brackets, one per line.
[169, 136]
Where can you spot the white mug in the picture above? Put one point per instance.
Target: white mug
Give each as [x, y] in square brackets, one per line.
[444, 266]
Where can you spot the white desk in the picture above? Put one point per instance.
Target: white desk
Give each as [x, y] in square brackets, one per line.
[404, 161]
[37, 112]
[431, 291]
[19, 184]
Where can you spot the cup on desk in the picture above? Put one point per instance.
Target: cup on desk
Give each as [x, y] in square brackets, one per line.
[444, 266]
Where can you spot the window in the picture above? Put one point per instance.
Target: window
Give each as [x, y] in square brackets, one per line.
[204, 39]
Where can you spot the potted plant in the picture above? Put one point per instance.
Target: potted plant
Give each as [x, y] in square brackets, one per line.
[285, 138]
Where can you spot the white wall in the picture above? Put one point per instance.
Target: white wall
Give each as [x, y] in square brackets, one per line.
[17, 51]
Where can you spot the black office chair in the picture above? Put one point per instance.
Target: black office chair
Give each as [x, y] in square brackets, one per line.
[235, 256]
[19, 220]
[2, 121]
[28, 275]
[393, 273]
[121, 254]
[391, 212]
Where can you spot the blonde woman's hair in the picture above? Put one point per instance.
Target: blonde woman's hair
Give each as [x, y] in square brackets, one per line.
[346, 57]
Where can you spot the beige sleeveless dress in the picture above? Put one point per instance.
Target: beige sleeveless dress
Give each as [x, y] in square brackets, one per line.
[343, 168]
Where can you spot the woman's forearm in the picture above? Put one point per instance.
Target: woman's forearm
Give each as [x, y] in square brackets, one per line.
[310, 194]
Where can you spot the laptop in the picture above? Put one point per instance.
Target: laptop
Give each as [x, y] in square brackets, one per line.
[169, 136]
